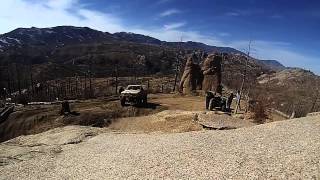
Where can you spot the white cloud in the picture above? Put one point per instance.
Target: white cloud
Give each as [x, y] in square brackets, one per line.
[174, 25]
[169, 12]
[49, 13]
[281, 51]
[19, 13]
[224, 34]
[233, 14]
[246, 12]
[176, 36]
[61, 4]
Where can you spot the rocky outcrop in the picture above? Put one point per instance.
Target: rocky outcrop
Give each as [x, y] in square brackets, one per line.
[190, 77]
[212, 73]
[207, 78]
[280, 150]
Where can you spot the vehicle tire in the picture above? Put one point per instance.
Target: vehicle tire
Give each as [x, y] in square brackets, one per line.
[123, 101]
[145, 100]
[223, 108]
[211, 104]
[139, 101]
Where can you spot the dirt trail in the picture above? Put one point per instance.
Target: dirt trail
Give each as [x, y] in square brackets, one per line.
[177, 102]
[168, 121]
[180, 116]
[176, 121]
[184, 114]
[97, 113]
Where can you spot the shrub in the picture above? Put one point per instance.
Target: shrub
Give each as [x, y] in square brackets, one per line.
[260, 112]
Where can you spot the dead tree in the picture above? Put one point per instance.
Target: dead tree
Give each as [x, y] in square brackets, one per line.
[115, 76]
[76, 88]
[177, 69]
[31, 80]
[9, 80]
[90, 76]
[69, 87]
[85, 84]
[315, 99]
[138, 63]
[18, 78]
[244, 77]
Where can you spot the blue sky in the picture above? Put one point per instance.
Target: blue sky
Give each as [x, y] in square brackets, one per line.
[285, 30]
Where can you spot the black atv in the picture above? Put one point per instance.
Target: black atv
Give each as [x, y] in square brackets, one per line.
[216, 101]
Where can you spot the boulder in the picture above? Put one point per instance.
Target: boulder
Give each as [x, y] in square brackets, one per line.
[212, 73]
[188, 83]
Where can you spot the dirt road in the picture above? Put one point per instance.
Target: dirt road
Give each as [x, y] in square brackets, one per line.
[102, 113]
[177, 102]
[280, 150]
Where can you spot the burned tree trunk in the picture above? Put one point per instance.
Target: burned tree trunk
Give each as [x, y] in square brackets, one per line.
[177, 69]
[244, 78]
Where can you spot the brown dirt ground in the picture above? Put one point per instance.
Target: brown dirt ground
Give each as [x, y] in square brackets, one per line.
[183, 114]
[177, 115]
[39, 118]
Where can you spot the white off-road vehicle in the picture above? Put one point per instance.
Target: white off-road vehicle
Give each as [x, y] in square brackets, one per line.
[134, 94]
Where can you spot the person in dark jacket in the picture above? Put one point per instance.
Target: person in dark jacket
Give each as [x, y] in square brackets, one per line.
[121, 89]
[229, 102]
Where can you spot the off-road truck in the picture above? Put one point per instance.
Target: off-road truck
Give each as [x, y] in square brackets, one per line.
[134, 94]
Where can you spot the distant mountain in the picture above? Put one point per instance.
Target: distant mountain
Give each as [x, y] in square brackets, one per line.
[138, 38]
[72, 45]
[273, 64]
[52, 51]
[52, 37]
[63, 44]
[68, 35]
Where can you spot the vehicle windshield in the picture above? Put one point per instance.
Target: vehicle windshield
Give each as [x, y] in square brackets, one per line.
[134, 88]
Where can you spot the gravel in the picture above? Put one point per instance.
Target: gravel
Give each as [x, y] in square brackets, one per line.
[281, 150]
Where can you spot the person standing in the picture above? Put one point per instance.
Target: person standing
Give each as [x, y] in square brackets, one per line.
[121, 89]
[229, 102]
[238, 98]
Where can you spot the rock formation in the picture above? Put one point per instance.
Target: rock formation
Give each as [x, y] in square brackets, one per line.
[212, 73]
[190, 77]
[207, 78]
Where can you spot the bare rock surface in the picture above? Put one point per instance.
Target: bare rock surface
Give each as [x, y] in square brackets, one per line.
[213, 120]
[48, 143]
[280, 150]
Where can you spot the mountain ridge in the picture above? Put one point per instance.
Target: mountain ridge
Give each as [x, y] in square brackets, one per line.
[53, 38]
[64, 35]
[273, 64]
